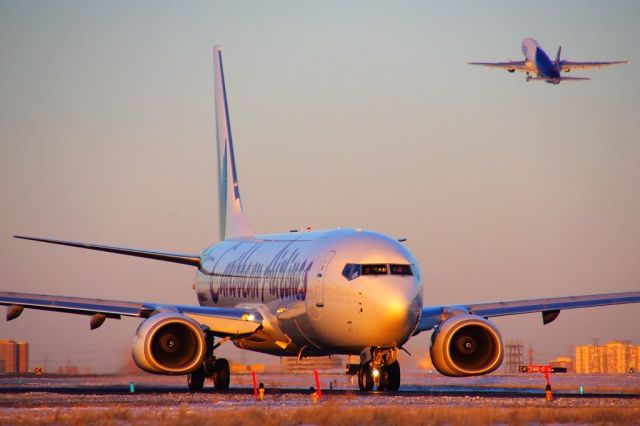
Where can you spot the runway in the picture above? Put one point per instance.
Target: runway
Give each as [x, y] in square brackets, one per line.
[108, 400]
[411, 392]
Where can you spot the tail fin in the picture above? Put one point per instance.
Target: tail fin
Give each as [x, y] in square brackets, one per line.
[232, 220]
[556, 63]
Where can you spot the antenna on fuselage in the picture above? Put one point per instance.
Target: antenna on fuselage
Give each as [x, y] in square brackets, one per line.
[233, 222]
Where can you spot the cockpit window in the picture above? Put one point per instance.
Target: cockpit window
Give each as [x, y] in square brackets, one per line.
[352, 271]
[374, 269]
[400, 270]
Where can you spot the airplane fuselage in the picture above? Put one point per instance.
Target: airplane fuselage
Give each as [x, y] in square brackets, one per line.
[321, 292]
[538, 61]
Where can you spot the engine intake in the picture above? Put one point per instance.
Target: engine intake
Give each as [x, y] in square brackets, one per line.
[169, 343]
[466, 345]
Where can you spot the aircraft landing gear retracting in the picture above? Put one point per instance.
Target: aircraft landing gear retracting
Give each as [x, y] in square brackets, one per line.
[216, 369]
[379, 367]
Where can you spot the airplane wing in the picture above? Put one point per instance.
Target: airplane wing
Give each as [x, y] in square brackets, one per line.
[185, 259]
[549, 307]
[509, 66]
[221, 321]
[569, 65]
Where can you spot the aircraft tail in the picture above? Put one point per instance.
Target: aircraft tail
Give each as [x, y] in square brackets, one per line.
[556, 63]
[233, 222]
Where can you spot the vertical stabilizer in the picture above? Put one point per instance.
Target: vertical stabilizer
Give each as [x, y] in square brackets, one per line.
[556, 64]
[232, 220]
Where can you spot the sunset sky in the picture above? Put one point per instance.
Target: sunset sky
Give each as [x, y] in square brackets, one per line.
[356, 114]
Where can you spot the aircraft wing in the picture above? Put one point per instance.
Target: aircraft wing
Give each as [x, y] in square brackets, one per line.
[185, 259]
[569, 65]
[549, 307]
[221, 321]
[509, 66]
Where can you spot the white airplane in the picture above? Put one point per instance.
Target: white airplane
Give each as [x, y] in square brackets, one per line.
[302, 294]
[537, 62]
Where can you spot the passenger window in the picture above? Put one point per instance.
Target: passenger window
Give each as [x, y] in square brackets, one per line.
[401, 270]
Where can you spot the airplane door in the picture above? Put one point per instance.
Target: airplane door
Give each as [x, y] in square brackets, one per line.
[320, 275]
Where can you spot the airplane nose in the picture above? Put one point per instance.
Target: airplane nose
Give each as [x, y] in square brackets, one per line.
[395, 311]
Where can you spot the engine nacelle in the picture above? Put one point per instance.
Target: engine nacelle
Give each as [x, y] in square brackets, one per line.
[169, 343]
[466, 345]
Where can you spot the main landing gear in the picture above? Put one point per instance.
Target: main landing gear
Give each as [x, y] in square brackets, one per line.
[216, 369]
[379, 368]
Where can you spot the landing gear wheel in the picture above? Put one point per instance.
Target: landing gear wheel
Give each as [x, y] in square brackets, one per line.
[365, 378]
[382, 380]
[390, 377]
[195, 380]
[221, 374]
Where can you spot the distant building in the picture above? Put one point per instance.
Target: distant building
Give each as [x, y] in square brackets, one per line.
[563, 362]
[23, 357]
[514, 356]
[246, 368]
[305, 365]
[612, 358]
[14, 357]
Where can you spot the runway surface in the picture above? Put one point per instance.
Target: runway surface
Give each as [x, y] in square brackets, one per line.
[166, 401]
[294, 389]
[236, 392]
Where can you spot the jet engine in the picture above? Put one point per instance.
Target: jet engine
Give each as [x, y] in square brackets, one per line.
[169, 343]
[466, 345]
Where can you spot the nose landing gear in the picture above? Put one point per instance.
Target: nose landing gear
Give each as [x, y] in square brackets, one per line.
[365, 378]
[390, 377]
[379, 367]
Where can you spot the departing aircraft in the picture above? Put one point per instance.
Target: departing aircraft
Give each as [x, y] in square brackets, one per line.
[537, 62]
[299, 294]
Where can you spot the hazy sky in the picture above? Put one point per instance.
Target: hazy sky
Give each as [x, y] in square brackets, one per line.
[359, 114]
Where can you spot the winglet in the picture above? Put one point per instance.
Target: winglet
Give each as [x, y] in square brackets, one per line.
[232, 220]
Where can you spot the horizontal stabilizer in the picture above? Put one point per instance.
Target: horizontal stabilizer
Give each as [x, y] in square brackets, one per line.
[573, 78]
[557, 80]
[185, 259]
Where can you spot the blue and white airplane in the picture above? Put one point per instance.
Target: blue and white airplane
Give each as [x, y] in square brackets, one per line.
[299, 294]
[538, 63]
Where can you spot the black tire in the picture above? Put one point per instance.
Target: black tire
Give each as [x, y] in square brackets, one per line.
[195, 380]
[365, 378]
[383, 379]
[391, 374]
[221, 374]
